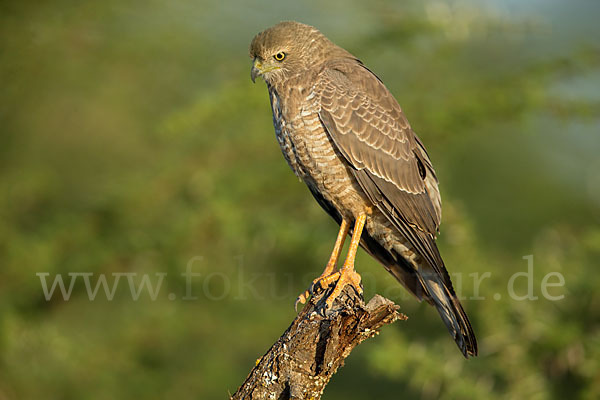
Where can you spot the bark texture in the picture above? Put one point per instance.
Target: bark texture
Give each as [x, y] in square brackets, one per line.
[302, 361]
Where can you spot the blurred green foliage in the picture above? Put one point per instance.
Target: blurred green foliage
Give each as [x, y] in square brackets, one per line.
[134, 141]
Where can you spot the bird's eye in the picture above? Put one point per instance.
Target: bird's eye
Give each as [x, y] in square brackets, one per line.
[279, 56]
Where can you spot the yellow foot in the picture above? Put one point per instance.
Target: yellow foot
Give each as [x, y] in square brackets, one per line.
[347, 277]
[320, 283]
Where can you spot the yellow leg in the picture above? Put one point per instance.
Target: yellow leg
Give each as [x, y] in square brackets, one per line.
[328, 276]
[337, 250]
[347, 274]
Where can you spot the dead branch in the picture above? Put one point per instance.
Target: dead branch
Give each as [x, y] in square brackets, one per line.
[302, 361]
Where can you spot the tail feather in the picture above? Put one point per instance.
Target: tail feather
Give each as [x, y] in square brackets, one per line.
[451, 312]
[427, 284]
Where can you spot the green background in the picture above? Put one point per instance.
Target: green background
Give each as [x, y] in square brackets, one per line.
[133, 141]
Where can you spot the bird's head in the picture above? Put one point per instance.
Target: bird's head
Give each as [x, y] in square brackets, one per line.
[288, 49]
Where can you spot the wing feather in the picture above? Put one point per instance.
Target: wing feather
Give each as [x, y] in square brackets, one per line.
[391, 165]
[367, 124]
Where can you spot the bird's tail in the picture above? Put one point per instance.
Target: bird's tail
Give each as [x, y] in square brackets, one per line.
[442, 297]
[427, 283]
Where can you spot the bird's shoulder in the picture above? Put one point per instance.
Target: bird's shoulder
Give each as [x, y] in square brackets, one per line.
[352, 76]
[358, 107]
[367, 124]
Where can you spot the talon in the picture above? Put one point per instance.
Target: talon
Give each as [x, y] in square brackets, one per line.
[328, 275]
[323, 282]
[301, 299]
[319, 284]
[346, 275]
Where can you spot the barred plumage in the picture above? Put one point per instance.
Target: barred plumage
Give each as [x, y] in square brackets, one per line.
[343, 133]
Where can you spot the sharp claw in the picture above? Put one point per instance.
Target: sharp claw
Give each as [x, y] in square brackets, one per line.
[317, 287]
[301, 299]
[296, 305]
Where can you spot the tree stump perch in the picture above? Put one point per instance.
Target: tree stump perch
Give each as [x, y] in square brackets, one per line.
[302, 361]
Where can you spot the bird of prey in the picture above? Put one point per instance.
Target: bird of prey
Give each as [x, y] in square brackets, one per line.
[343, 134]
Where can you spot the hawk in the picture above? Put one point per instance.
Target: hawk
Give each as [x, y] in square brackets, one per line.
[343, 134]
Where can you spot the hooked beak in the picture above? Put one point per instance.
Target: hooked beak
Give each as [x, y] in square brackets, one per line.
[256, 70]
